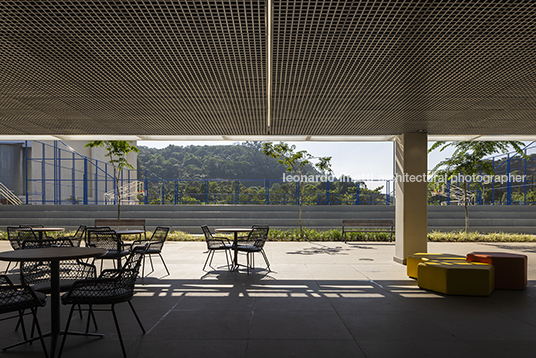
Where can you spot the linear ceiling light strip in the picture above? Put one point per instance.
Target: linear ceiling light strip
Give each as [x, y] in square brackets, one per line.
[268, 64]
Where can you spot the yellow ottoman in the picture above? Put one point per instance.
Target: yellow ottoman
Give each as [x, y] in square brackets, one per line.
[414, 260]
[457, 277]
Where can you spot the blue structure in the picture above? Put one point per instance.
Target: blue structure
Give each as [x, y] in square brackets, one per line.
[56, 174]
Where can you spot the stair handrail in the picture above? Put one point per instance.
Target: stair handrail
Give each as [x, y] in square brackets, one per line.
[9, 195]
[129, 193]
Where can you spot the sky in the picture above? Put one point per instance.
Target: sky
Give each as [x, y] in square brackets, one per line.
[360, 160]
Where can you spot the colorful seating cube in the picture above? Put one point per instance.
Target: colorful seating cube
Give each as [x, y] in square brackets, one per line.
[456, 277]
[414, 260]
[510, 269]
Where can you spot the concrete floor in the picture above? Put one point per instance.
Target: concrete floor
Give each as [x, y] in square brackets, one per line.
[320, 300]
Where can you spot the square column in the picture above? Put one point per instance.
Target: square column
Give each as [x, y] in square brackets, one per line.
[411, 206]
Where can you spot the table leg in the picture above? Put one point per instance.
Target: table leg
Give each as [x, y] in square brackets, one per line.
[54, 305]
[235, 243]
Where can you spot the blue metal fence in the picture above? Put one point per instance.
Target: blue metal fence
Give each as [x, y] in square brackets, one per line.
[56, 174]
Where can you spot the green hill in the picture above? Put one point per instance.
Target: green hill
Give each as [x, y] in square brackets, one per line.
[238, 161]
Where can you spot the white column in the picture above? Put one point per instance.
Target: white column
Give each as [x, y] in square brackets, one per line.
[411, 216]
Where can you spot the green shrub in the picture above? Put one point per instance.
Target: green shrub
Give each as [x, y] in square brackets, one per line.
[336, 235]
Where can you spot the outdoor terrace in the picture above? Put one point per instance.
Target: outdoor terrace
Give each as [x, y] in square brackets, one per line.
[321, 300]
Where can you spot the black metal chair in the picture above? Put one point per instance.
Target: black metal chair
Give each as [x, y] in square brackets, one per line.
[37, 274]
[16, 237]
[215, 243]
[254, 243]
[112, 287]
[78, 236]
[154, 247]
[106, 239]
[18, 298]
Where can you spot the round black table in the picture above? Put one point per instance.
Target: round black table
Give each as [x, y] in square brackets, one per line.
[42, 230]
[235, 231]
[54, 255]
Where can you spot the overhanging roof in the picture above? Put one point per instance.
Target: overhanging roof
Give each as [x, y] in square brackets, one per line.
[223, 68]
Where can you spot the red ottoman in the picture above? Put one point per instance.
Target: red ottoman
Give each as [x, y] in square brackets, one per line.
[510, 269]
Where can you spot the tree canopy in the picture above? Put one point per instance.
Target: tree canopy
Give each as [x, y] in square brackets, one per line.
[239, 161]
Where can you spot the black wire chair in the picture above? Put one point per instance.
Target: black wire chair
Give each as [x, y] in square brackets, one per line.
[78, 236]
[154, 247]
[215, 243]
[107, 239]
[37, 274]
[110, 288]
[18, 298]
[16, 237]
[254, 243]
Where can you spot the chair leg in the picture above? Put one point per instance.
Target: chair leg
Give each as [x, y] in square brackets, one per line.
[21, 322]
[91, 316]
[136, 315]
[151, 261]
[34, 313]
[66, 330]
[227, 259]
[159, 254]
[266, 259]
[118, 331]
[208, 256]
[143, 267]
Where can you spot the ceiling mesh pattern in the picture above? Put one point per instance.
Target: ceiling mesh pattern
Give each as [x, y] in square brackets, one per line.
[200, 67]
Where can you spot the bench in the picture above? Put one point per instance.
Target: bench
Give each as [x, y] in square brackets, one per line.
[121, 223]
[368, 225]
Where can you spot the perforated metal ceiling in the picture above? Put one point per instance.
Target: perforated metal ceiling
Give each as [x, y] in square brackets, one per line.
[200, 67]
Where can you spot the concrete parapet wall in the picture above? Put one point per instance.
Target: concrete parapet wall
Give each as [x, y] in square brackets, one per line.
[189, 218]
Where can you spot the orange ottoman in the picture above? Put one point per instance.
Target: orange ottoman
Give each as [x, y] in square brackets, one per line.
[510, 269]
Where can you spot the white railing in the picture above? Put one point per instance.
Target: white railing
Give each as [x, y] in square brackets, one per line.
[129, 194]
[9, 195]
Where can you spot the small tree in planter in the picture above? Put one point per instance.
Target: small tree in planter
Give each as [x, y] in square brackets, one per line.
[116, 151]
[296, 162]
[468, 160]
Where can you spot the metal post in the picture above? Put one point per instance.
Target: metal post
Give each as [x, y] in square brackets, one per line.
[327, 192]
[55, 171]
[448, 191]
[73, 181]
[387, 195]
[237, 192]
[85, 182]
[508, 183]
[480, 188]
[146, 183]
[525, 179]
[176, 191]
[26, 167]
[493, 184]
[357, 193]
[206, 191]
[43, 177]
[297, 193]
[267, 192]
[96, 189]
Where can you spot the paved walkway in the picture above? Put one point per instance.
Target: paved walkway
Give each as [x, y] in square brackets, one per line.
[320, 300]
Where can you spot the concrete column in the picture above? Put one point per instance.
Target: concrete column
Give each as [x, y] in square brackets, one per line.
[411, 219]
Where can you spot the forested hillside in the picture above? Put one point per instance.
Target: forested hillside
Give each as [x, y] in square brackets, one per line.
[239, 161]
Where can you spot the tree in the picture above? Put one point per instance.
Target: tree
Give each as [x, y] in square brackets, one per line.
[467, 161]
[297, 163]
[116, 151]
